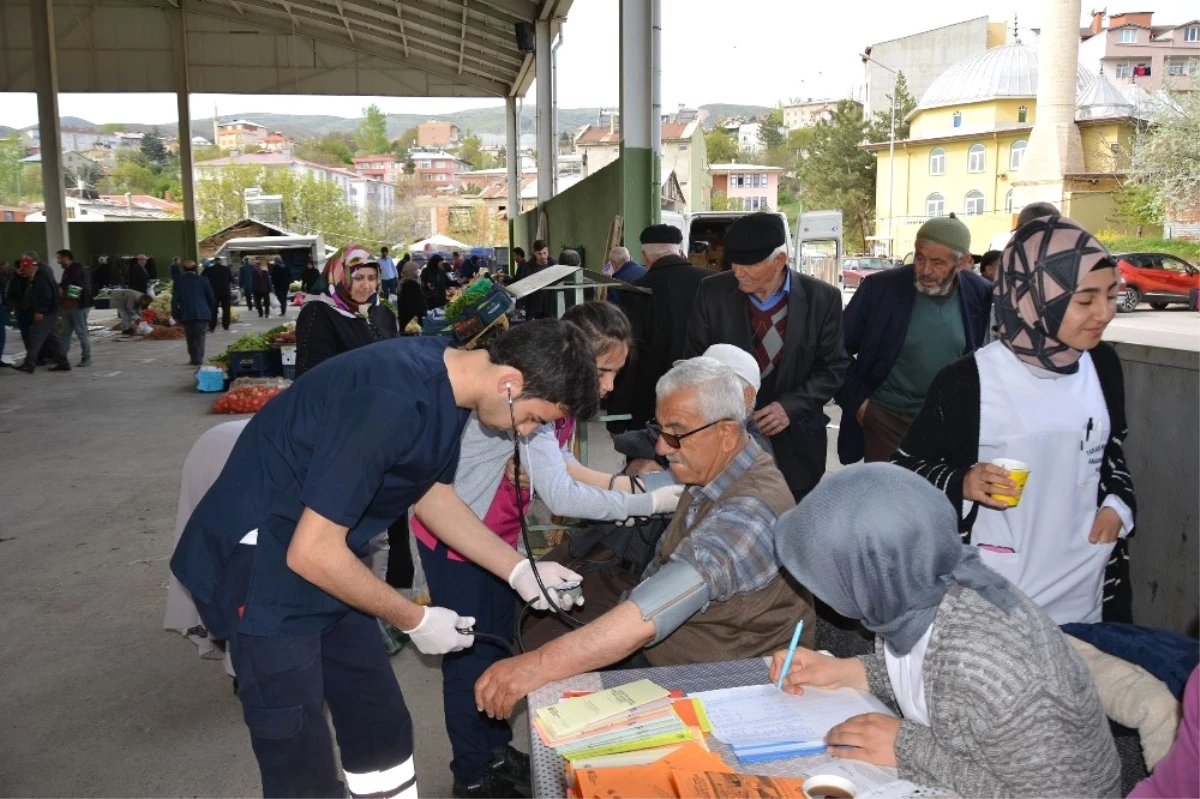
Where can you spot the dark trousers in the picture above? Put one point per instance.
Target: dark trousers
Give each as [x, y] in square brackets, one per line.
[284, 684]
[469, 590]
[883, 430]
[45, 342]
[223, 305]
[390, 286]
[248, 294]
[262, 303]
[283, 298]
[25, 324]
[195, 331]
[3, 327]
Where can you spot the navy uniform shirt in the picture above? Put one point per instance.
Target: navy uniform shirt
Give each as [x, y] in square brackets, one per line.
[358, 440]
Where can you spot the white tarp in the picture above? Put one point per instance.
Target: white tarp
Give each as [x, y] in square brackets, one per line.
[439, 242]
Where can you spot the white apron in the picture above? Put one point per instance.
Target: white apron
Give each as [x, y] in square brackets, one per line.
[1058, 424]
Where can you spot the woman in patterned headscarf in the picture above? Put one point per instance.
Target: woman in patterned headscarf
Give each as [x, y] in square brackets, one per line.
[1049, 393]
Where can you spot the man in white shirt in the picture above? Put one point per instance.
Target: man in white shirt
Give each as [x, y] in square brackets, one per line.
[389, 278]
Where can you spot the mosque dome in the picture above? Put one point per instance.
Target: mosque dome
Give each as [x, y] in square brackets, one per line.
[1009, 71]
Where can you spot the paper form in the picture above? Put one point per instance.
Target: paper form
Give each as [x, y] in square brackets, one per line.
[764, 714]
[573, 715]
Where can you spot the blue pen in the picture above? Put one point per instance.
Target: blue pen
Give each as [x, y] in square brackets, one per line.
[787, 664]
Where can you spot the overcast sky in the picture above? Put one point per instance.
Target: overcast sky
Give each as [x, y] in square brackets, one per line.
[714, 51]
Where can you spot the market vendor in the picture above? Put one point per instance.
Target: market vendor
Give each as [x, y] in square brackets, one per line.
[271, 554]
[129, 304]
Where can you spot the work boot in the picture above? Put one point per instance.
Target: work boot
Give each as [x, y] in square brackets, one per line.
[491, 785]
[512, 766]
[26, 367]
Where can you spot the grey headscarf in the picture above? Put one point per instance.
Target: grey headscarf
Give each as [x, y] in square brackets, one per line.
[877, 542]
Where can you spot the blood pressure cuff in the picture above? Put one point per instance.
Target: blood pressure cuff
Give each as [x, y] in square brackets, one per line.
[670, 597]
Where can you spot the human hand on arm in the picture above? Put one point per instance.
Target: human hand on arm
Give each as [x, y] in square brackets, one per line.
[985, 479]
[318, 553]
[818, 671]
[613, 636]
[1106, 527]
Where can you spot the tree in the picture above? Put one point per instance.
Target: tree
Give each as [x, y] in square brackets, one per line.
[1138, 204]
[471, 152]
[332, 149]
[502, 157]
[85, 176]
[722, 148]
[133, 173]
[220, 196]
[881, 120]
[154, 149]
[371, 136]
[720, 201]
[406, 142]
[770, 131]
[837, 174]
[1167, 155]
[310, 204]
[11, 153]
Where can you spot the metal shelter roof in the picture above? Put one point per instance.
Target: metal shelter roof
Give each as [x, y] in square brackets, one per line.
[400, 48]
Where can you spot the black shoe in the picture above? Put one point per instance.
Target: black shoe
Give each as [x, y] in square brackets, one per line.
[82, 364]
[512, 766]
[491, 786]
[26, 367]
[61, 367]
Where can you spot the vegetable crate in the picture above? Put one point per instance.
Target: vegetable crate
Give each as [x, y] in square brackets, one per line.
[477, 317]
[289, 371]
[258, 363]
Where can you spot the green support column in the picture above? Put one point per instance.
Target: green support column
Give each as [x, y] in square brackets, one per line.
[641, 130]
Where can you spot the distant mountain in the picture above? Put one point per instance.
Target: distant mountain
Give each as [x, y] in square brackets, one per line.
[67, 122]
[5, 130]
[488, 123]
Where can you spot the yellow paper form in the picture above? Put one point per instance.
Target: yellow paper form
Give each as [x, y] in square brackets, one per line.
[570, 716]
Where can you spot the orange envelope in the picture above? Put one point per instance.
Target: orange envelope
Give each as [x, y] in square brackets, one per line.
[653, 781]
[723, 785]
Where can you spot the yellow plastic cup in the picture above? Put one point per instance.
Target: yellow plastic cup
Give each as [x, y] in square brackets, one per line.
[1018, 472]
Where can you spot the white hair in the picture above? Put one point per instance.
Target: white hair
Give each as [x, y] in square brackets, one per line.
[618, 255]
[653, 252]
[719, 391]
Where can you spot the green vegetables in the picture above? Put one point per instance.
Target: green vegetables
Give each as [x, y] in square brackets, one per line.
[251, 342]
[220, 360]
[473, 294]
[274, 330]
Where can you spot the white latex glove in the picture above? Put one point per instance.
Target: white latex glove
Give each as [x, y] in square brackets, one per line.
[554, 575]
[665, 499]
[437, 633]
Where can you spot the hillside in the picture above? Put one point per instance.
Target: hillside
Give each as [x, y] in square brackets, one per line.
[487, 122]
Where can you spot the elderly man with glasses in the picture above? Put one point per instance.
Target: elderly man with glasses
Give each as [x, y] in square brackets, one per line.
[713, 590]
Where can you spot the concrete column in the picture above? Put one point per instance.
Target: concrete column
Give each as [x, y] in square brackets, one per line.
[45, 76]
[641, 125]
[512, 146]
[547, 149]
[1055, 148]
[183, 114]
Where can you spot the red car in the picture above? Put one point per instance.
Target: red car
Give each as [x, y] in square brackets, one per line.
[855, 269]
[1155, 278]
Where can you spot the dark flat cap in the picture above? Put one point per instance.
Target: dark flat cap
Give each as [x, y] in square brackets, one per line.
[662, 234]
[752, 239]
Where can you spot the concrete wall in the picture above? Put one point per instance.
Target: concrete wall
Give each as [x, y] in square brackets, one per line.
[579, 216]
[160, 240]
[1162, 405]
[922, 57]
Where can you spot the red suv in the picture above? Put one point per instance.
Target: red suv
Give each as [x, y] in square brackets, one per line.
[1156, 278]
[855, 269]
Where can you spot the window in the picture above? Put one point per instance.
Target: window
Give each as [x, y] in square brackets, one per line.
[958, 119]
[683, 148]
[1128, 36]
[441, 177]
[1174, 264]
[762, 204]
[1008, 205]
[974, 204]
[9, 216]
[753, 203]
[937, 161]
[427, 177]
[1124, 71]
[1176, 69]
[935, 205]
[70, 212]
[976, 157]
[1192, 34]
[461, 217]
[1016, 154]
[1023, 114]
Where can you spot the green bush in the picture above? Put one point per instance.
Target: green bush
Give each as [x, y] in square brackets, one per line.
[1188, 250]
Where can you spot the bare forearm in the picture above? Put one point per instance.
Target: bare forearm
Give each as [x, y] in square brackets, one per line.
[319, 554]
[610, 638]
[449, 518]
[582, 474]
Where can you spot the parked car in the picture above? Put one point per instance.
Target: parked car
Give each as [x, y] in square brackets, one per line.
[855, 269]
[1156, 278]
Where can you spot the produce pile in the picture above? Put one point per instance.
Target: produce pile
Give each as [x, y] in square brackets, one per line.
[466, 298]
[162, 304]
[249, 395]
[251, 342]
[164, 333]
[284, 334]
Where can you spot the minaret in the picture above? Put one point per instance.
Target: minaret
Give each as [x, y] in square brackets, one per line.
[1055, 148]
[216, 127]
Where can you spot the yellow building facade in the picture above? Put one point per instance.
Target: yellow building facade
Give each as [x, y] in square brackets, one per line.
[966, 145]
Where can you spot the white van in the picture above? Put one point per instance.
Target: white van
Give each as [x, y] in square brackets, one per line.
[704, 235]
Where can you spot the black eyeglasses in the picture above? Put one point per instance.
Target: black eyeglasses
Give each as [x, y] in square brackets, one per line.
[673, 441]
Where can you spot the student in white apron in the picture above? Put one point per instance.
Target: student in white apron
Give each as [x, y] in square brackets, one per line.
[1050, 393]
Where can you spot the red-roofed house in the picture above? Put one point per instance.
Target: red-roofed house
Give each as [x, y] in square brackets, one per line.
[683, 153]
[276, 142]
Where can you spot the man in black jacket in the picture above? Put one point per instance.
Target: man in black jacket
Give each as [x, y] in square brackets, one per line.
[659, 322]
[792, 324]
[220, 277]
[45, 317]
[139, 276]
[902, 326]
[540, 304]
[281, 281]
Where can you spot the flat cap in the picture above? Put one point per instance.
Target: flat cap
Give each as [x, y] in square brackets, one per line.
[662, 234]
[752, 239]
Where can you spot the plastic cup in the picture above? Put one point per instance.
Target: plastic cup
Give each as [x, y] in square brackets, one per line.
[1018, 472]
[829, 786]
